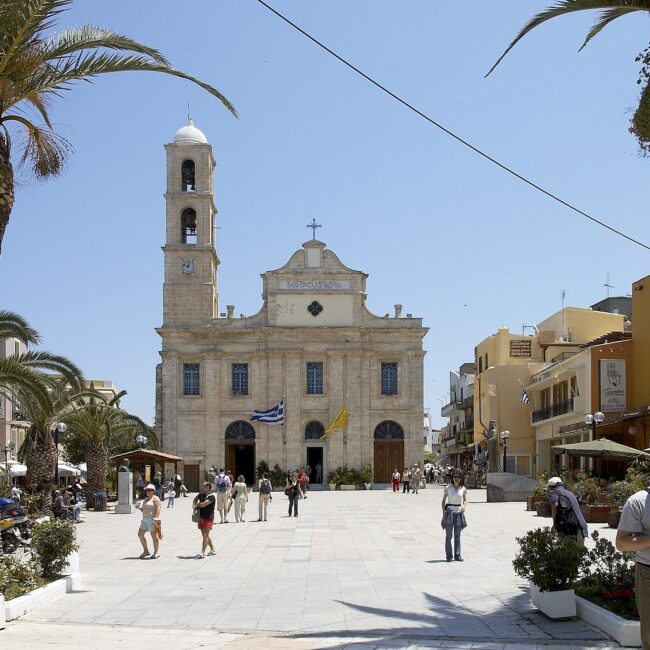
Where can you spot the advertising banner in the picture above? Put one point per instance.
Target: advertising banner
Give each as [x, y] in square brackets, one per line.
[612, 385]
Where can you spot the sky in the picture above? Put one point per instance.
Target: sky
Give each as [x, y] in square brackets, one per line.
[440, 230]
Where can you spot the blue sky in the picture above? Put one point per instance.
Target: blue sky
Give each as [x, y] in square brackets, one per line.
[435, 226]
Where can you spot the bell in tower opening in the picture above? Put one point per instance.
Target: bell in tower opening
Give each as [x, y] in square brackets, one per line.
[188, 176]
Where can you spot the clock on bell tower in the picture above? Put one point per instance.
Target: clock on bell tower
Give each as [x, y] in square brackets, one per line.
[190, 294]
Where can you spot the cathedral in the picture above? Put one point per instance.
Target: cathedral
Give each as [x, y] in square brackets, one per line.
[311, 353]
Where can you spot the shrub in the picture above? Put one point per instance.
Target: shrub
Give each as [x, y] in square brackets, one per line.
[366, 474]
[608, 578]
[277, 476]
[52, 542]
[621, 491]
[550, 561]
[19, 578]
[5, 485]
[262, 468]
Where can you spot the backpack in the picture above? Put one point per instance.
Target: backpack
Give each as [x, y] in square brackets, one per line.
[222, 484]
[265, 488]
[566, 521]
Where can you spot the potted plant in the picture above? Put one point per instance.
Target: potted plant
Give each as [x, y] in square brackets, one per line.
[539, 493]
[620, 492]
[551, 563]
[366, 475]
[593, 508]
[605, 593]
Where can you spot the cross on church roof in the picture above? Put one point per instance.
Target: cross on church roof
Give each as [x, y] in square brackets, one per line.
[313, 225]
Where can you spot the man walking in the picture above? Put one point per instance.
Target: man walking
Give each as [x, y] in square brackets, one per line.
[565, 510]
[223, 492]
[416, 477]
[264, 487]
[205, 502]
[633, 534]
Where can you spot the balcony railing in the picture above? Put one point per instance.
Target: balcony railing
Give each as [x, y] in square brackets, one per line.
[553, 410]
[562, 356]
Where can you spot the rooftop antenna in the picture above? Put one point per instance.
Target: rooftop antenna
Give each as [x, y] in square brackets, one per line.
[563, 314]
[608, 285]
[188, 110]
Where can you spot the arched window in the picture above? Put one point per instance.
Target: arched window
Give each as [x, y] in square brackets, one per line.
[188, 226]
[240, 430]
[188, 176]
[314, 430]
[389, 430]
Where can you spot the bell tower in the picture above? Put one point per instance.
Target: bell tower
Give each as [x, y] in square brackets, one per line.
[190, 287]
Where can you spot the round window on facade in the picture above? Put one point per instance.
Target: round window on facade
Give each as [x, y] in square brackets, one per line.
[315, 308]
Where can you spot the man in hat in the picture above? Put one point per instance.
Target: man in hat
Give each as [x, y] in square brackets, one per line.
[565, 510]
[633, 534]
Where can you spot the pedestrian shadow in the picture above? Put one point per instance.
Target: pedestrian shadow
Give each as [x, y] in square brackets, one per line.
[447, 620]
[435, 561]
[134, 557]
[188, 557]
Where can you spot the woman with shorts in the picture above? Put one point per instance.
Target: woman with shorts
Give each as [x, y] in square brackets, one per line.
[205, 502]
[150, 512]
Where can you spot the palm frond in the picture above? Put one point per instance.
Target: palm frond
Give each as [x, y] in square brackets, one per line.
[69, 373]
[563, 7]
[46, 151]
[13, 325]
[17, 379]
[23, 21]
[73, 40]
[606, 17]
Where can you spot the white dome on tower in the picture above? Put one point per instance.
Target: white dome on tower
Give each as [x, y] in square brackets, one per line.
[189, 134]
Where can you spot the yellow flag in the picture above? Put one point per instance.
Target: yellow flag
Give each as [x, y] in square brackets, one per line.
[339, 422]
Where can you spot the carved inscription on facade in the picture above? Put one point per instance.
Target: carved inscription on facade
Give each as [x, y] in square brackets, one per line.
[315, 285]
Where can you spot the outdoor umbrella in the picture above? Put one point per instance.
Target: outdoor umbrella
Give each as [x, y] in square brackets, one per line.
[68, 470]
[15, 469]
[602, 448]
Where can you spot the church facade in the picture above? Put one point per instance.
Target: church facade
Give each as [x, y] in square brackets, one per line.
[313, 345]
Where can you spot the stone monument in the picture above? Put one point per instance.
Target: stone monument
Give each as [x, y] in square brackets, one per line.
[124, 489]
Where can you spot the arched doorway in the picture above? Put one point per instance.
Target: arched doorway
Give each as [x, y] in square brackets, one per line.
[240, 450]
[314, 431]
[389, 450]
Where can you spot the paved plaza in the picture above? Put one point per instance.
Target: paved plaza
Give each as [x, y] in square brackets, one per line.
[355, 570]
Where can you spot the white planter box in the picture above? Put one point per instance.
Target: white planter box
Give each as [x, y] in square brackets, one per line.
[332, 487]
[348, 487]
[2, 612]
[627, 633]
[555, 604]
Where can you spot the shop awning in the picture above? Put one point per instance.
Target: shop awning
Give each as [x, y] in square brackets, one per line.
[602, 448]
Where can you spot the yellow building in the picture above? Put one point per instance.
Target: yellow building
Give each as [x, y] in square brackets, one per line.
[505, 363]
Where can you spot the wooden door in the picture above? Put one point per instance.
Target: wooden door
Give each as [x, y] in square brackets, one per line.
[389, 454]
[230, 457]
[191, 477]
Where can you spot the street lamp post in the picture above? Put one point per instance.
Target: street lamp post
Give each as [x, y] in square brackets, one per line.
[592, 420]
[504, 438]
[59, 428]
[8, 449]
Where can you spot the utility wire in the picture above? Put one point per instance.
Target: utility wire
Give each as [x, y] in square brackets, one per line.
[451, 133]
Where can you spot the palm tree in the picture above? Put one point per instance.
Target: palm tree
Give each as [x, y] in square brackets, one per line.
[37, 66]
[609, 11]
[94, 424]
[39, 451]
[31, 372]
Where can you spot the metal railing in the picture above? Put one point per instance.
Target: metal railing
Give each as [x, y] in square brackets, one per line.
[553, 410]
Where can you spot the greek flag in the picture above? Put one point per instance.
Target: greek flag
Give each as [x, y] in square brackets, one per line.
[524, 396]
[274, 415]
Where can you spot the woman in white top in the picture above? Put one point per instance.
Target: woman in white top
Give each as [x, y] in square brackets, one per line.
[454, 503]
[240, 497]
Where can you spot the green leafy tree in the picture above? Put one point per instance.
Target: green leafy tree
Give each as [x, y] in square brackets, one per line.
[38, 66]
[609, 11]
